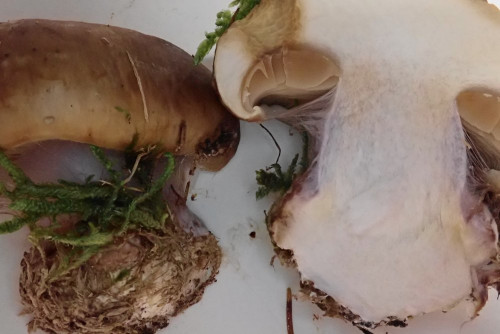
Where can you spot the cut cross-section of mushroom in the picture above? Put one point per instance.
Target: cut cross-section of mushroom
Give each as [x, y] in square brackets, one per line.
[386, 220]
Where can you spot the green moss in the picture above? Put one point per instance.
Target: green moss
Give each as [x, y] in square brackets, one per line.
[105, 210]
[273, 179]
[124, 273]
[224, 19]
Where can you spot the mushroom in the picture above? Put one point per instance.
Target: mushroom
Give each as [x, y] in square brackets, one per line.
[104, 85]
[120, 253]
[397, 214]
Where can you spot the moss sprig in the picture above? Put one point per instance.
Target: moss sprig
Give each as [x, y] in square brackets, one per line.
[224, 19]
[105, 209]
[274, 180]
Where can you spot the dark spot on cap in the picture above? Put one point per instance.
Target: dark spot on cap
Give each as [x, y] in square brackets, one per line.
[252, 234]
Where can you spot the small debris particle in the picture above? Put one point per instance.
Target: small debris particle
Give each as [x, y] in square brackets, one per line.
[193, 197]
[272, 261]
[181, 137]
[315, 317]
[275, 142]
[105, 41]
[139, 83]
[397, 323]
[289, 315]
[186, 191]
[49, 120]
[252, 234]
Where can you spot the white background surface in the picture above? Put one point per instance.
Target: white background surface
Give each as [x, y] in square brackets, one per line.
[249, 296]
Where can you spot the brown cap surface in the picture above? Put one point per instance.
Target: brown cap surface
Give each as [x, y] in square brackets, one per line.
[106, 85]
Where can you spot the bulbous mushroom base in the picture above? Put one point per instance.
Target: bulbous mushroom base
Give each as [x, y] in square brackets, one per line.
[134, 286]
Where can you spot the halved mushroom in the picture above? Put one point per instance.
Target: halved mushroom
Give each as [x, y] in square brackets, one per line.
[117, 254]
[391, 219]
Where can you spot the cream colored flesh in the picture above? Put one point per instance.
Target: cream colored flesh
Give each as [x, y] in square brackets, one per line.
[385, 223]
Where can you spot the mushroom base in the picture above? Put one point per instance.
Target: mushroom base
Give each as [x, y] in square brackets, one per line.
[331, 308]
[133, 286]
[488, 275]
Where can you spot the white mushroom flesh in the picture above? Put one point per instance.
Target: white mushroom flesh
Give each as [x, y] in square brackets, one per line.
[386, 221]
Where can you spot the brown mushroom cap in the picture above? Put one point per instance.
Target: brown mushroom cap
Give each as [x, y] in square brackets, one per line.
[104, 86]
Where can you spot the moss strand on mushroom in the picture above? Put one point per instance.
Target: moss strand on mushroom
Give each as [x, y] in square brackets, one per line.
[222, 23]
[106, 210]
